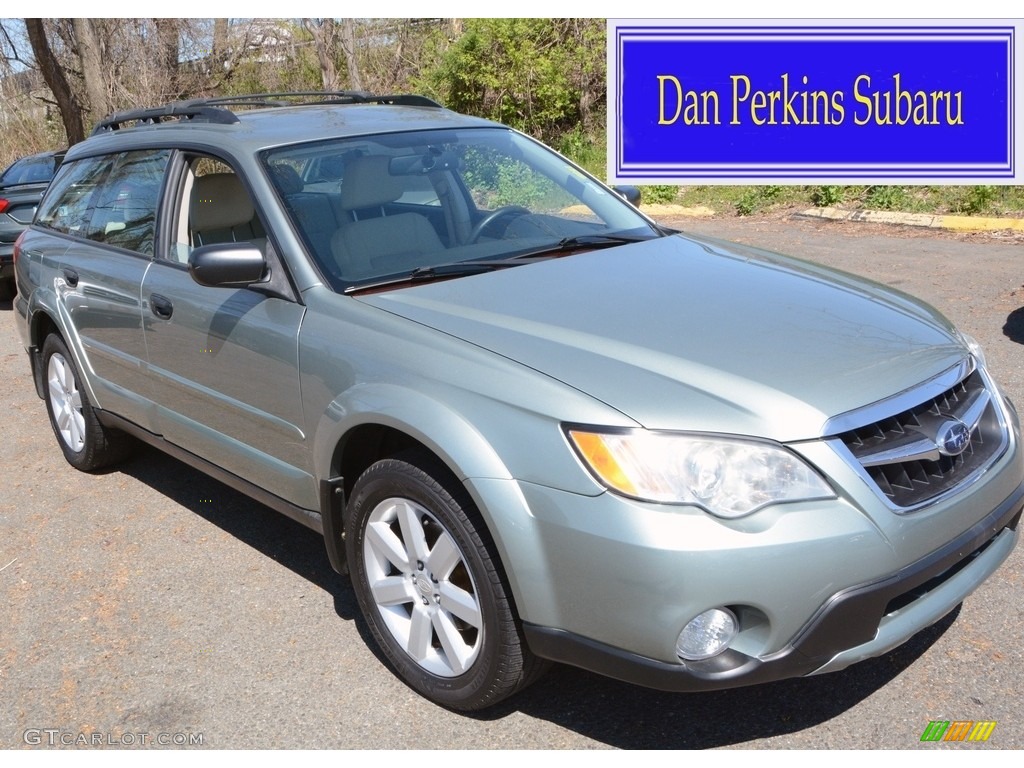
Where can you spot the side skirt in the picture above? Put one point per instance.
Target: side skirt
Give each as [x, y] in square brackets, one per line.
[307, 517]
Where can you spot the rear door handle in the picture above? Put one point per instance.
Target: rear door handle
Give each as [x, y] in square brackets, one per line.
[71, 277]
[161, 306]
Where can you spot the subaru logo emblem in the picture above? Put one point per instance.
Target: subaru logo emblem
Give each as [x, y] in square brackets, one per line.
[953, 438]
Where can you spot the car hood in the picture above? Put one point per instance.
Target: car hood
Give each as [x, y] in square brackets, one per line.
[695, 334]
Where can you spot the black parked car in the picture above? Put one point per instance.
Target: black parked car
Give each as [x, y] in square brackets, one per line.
[21, 187]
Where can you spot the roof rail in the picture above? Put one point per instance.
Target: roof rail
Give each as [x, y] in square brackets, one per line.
[290, 98]
[181, 110]
[216, 109]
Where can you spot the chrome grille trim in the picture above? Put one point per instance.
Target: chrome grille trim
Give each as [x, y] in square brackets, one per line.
[900, 402]
[902, 454]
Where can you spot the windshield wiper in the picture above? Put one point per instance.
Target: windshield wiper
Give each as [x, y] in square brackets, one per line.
[584, 242]
[440, 271]
[459, 268]
[478, 266]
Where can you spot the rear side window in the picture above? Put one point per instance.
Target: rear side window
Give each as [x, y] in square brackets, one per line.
[110, 199]
[30, 170]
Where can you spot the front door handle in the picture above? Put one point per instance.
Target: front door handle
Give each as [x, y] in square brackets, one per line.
[161, 306]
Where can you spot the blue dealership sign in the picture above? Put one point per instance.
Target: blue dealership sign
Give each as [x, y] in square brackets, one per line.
[785, 102]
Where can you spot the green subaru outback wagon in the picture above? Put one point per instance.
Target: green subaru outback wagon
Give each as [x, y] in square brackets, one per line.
[531, 424]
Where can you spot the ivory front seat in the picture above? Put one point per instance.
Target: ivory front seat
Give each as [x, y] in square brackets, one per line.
[221, 211]
[370, 242]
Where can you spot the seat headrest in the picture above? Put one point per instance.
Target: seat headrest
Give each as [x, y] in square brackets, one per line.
[286, 178]
[219, 201]
[367, 183]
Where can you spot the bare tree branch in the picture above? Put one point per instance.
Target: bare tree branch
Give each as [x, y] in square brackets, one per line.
[70, 107]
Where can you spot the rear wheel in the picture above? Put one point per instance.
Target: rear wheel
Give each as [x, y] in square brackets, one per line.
[86, 443]
[428, 583]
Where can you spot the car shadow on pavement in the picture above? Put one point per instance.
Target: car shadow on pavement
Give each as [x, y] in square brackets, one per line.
[605, 710]
[286, 541]
[1013, 328]
[630, 717]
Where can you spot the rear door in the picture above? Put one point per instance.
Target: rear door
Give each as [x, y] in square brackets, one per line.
[105, 210]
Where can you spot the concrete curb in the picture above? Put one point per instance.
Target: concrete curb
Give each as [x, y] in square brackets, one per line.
[956, 223]
[659, 210]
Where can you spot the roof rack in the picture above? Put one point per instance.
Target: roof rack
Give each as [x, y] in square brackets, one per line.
[292, 98]
[182, 110]
[217, 110]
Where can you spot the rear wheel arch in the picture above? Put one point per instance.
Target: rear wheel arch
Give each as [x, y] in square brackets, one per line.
[40, 327]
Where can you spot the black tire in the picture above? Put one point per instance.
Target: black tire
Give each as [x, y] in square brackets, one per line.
[8, 289]
[414, 611]
[87, 444]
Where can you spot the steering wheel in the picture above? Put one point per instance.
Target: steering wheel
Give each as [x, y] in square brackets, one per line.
[493, 216]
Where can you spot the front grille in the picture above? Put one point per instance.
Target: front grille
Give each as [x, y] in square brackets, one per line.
[918, 454]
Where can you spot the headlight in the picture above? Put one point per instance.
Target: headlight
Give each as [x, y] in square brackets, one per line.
[728, 477]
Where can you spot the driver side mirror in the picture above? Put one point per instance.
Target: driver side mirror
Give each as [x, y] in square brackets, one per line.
[227, 265]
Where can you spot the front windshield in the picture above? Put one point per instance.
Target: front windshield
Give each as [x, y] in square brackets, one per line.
[373, 209]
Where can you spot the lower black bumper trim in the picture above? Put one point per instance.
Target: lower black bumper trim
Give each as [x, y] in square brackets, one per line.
[849, 618]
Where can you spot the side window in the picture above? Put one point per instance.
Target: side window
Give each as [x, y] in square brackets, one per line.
[125, 209]
[110, 199]
[67, 206]
[214, 207]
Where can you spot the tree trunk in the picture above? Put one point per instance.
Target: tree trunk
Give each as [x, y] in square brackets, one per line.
[348, 46]
[167, 33]
[71, 111]
[325, 41]
[90, 56]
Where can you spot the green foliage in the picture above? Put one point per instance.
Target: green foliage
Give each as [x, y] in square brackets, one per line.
[496, 180]
[886, 198]
[587, 150]
[757, 198]
[827, 196]
[533, 74]
[977, 199]
[659, 193]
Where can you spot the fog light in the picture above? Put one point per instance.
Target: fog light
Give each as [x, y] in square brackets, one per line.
[707, 635]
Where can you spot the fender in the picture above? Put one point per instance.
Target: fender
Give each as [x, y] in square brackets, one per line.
[433, 423]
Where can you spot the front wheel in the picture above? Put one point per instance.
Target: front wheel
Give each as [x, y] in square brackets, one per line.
[428, 583]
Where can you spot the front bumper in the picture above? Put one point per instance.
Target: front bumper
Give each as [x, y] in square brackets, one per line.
[855, 623]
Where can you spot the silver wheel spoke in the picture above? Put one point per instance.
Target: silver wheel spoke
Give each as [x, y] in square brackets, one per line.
[384, 543]
[77, 428]
[412, 532]
[420, 633]
[392, 590]
[460, 603]
[443, 557]
[56, 391]
[454, 645]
